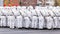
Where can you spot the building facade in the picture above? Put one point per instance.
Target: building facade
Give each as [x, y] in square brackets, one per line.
[31, 2]
[45, 2]
[28, 2]
[11, 2]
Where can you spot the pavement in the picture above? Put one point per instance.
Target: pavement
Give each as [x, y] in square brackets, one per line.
[27, 31]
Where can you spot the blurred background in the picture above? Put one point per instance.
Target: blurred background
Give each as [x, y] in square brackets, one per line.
[29, 2]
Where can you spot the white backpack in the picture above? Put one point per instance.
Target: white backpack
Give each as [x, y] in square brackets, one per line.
[33, 12]
[44, 12]
[15, 12]
[22, 13]
[51, 13]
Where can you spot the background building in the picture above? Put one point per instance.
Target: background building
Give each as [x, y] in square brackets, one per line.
[30, 2]
[45, 2]
[57, 2]
[1, 2]
[11, 2]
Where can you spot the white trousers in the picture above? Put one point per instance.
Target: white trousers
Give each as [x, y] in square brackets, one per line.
[58, 22]
[41, 22]
[55, 22]
[19, 21]
[2, 21]
[27, 22]
[49, 22]
[11, 21]
[34, 22]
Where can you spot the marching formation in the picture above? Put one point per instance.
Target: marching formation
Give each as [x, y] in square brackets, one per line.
[30, 17]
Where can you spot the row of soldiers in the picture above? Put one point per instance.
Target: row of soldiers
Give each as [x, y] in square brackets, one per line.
[29, 17]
